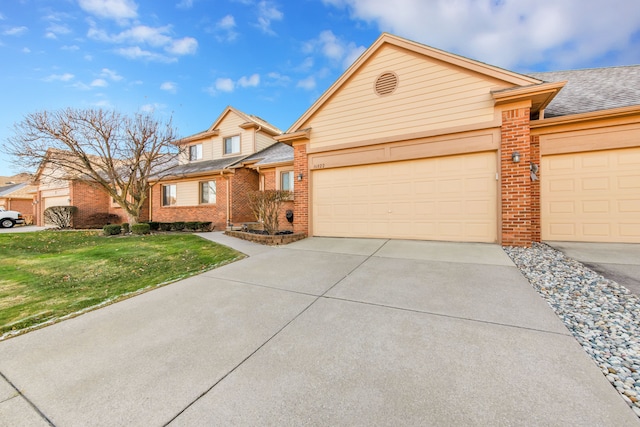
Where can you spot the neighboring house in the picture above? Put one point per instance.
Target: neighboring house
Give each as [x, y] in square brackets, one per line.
[57, 187]
[19, 197]
[207, 186]
[416, 143]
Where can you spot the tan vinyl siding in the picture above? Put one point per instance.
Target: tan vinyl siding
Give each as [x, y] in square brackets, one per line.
[187, 193]
[430, 95]
[263, 141]
[230, 126]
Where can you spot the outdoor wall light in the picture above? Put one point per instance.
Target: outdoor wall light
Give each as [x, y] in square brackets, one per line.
[515, 156]
[300, 176]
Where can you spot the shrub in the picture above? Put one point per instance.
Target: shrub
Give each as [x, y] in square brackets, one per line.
[179, 225]
[205, 226]
[141, 228]
[191, 225]
[100, 219]
[111, 229]
[154, 225]
[265, 205]
[165, 226]
[60, 216]
[125, 227]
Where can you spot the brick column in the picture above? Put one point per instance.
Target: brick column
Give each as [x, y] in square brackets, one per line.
[300, 189]
[516, 181]
[535, 191]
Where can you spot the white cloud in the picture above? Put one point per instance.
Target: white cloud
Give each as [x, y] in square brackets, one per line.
[184, 46]
[170, 87]
[268, 12]
[152, 108]
[71, 48]
[135, 52]
[510, 33]
[15, 31]
[54, 30]
[251, 81]
[99, 83]
[224, 85]
[59, 77]
[26, 50]
[308, 84]
[110, 74]
[277, 79]
[111, 9]
[226, 26]
[185, 4]
[335, 49]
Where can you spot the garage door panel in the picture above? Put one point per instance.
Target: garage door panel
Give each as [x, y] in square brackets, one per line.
[596, 199]
[441, 199]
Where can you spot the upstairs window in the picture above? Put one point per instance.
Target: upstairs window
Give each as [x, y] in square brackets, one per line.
[208, 192]
[195, 152]
[232, 145]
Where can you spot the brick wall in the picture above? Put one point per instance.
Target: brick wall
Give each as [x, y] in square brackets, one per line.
[535, 191]
[216, 213]
[24, 206]
[516, 182]
[301, 189]
[243, 182]
[89, 200]
[270, 184]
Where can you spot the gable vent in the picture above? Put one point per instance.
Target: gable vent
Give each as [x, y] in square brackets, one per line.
[386, 83]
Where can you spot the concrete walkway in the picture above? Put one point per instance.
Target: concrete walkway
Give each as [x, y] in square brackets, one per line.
[320, 332]
[619, 262]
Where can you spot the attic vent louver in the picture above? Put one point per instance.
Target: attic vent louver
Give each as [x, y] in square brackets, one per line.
[386, 83]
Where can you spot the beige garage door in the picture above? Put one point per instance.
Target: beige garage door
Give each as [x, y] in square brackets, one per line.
[47, 202]
[445, 198]
[591, 197]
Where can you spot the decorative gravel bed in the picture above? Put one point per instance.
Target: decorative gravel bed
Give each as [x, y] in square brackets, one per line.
[602, 315]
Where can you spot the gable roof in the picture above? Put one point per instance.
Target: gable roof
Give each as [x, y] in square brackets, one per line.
[250, 121]
[201, 167]
[21, 190]
[427, 51]
[593, 89]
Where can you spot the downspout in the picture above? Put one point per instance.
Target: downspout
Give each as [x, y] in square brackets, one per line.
[150, 203]
[255, 138]
[228, 200]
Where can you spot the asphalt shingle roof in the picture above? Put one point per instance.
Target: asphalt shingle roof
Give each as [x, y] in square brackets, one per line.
[203, 166]
[593, 89]
[8, 189]
[276, 153]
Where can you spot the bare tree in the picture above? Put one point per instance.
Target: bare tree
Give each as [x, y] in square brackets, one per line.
[265, 205]
[105, 149]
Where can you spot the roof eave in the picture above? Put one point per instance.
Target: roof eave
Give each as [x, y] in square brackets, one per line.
[540, 95]
[589, 116]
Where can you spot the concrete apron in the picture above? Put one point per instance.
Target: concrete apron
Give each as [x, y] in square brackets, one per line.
[320, 332]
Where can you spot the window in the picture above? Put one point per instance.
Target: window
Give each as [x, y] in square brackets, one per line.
[232, 145]
[169, 195]
[208, 192]
[286, 181]
[195, 152]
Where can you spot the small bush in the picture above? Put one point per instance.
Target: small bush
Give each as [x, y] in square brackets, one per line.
[100, 219]
[154, 225]
[205, 226]
[141, 228]
[111, 230]
[191, 225]
[60, 216]
[179, 225]
[165, 226]
[125, 227]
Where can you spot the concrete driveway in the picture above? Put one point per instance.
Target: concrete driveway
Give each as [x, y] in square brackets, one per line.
[320, 332]
[619, 262]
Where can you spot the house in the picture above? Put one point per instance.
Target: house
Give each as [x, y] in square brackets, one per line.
[210, 183]
[412, 142]
[19, 197]
[57, 187]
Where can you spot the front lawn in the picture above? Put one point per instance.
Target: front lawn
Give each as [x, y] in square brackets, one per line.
[50, 274]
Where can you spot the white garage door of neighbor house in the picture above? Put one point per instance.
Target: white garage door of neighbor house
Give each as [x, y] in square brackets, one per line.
[445, 198]
[47, 202]
[591, 197]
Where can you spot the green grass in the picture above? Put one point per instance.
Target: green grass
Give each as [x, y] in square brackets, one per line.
[47, 275]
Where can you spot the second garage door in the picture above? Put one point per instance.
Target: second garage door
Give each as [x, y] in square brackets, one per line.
[445, 198]
[591, 197]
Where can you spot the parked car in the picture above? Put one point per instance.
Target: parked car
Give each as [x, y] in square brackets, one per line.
[10, 218]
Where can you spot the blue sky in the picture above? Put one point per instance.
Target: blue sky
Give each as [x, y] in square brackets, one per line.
[273, 58]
